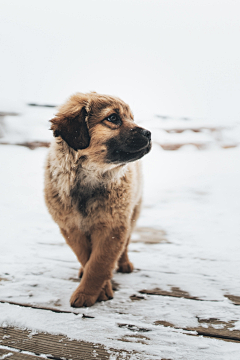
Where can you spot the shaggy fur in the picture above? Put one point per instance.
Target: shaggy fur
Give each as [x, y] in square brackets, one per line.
[93, 187]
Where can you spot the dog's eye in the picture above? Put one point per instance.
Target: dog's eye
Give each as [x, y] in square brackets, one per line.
[114, 118]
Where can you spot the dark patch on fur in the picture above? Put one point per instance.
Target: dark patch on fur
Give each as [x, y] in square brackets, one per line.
[84, 196]
[83, 158]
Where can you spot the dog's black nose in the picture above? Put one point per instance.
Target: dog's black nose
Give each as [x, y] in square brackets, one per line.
[146, 133]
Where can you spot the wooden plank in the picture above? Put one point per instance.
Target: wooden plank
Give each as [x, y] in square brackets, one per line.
[16, 355]
[212, 327]
[233, 298]
[58, 346]
[32, 145]
[176, 146]
[48, 308]
[135, 297]
[42, 105]
[175, 292]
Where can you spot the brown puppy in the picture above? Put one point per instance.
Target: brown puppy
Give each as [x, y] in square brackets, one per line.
[93, 187]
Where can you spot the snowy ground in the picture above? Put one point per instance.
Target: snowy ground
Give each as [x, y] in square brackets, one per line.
[191, 198]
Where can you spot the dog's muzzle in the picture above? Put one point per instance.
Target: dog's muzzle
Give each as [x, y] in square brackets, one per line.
[129, 145]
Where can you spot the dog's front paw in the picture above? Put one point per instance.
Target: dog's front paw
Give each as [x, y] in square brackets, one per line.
[106, 292]
[79, 299]
[125, 267]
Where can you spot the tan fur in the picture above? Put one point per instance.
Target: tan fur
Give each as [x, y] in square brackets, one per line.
[95, 203]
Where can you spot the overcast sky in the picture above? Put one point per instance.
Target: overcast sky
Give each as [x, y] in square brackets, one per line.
[168, 57]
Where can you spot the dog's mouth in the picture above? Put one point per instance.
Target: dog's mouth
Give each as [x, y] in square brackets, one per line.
[120, 156]
[128, 146]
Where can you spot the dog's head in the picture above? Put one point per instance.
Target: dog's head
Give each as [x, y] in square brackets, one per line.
[102, 127]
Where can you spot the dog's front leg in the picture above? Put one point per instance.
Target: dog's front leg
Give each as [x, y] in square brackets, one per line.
[107, 246]
[79, 243]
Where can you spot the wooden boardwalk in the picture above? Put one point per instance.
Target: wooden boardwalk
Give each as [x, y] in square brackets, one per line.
[178, 294]
[21, 344]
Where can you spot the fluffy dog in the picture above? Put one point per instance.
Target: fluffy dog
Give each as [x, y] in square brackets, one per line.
[93, 187]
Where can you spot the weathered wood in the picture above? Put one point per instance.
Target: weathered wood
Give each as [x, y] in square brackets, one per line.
[209, 327]
[233, 298]
[175, 292]
[16, 355]
[136, 297]
[48, 308]
[42, 105]
[176, 146]
[138, 338]
[57, 346]
[32, 145]
[133, 328]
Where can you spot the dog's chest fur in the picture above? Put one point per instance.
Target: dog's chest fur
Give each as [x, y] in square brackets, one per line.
[104, 196]
[87, 196]
[84, 197]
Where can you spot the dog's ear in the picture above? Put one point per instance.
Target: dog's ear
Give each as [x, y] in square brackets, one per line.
[72, 128]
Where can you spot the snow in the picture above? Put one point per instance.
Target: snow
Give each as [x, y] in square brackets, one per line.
[163, 57]
[183, 62]
[31, 124]
[190, 195]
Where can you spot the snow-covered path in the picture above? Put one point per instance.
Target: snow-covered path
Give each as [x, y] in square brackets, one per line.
[192, 197]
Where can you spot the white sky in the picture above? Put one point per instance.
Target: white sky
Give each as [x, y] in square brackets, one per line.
[168, 57]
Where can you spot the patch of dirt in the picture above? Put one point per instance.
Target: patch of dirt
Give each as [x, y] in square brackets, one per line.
[32, 145]
[149, 235]
[233, 298]
[176, 146]
[133, 327]
[211, 327]
[230, 146]
[175, 292]
[136, 297]
[136, 338]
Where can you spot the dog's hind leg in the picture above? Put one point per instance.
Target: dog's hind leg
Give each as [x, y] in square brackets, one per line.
[124, 264]
[80, 244]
